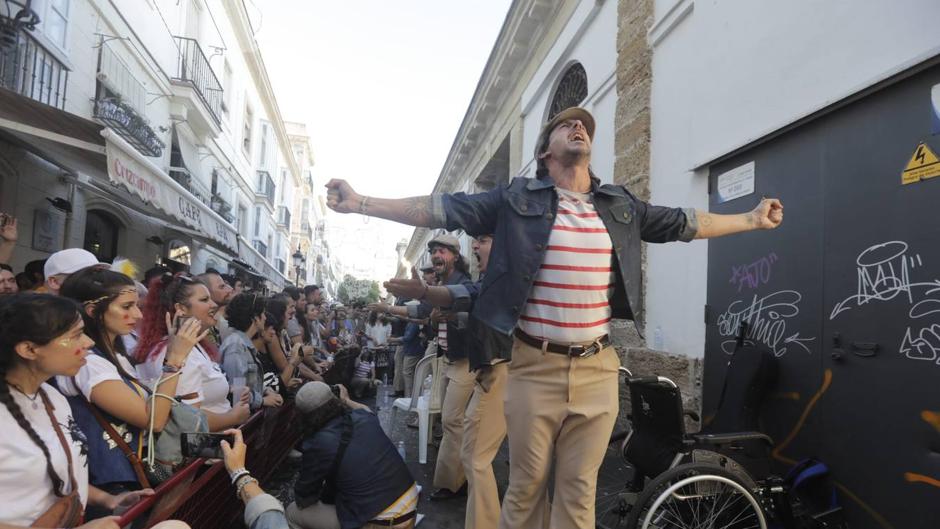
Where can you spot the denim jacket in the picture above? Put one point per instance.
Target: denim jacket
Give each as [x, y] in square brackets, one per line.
[240, 360]
[521, 215]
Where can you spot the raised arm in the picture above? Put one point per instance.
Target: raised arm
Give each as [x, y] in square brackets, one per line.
[413, 211]
[436, 295]
[766, 216]
[8, 236]
[474, 213]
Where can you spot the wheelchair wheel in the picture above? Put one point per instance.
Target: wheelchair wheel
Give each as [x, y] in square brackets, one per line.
[695, 496]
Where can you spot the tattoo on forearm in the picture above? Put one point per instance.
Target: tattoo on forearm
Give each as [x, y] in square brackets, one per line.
[705, 220]
[418, 208]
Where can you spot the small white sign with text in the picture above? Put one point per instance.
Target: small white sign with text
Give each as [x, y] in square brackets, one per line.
[736, 183]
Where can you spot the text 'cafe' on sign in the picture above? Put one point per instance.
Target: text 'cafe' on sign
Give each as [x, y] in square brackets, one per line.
[144, 179]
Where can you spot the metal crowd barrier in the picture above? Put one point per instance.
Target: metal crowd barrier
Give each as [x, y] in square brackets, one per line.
[201, 494]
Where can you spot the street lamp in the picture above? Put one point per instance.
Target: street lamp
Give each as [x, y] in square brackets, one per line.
[299, 261]
[15, 16]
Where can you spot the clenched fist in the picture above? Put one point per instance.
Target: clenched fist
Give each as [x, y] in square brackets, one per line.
[768, 214]
[341, 198]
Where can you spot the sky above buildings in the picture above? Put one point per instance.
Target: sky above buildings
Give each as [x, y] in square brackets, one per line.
[383, 87]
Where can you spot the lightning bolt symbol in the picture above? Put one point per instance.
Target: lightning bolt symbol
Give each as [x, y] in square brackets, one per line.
[920, 155]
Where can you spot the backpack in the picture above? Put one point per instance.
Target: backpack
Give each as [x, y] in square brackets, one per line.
[813, 498]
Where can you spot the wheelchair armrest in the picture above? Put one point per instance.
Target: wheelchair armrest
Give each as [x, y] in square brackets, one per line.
[719, 439]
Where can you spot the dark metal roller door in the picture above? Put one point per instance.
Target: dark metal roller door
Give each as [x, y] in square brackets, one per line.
[851, 288]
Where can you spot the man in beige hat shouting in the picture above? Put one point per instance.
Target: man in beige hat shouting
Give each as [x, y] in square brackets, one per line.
[565, 260]
[451, 269]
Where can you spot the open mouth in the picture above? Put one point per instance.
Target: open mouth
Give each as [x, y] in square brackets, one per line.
[577, 136]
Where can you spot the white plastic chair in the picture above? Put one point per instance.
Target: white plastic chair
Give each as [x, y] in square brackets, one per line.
[425, 405]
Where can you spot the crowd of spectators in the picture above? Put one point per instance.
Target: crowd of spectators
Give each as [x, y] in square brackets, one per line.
[97, 364]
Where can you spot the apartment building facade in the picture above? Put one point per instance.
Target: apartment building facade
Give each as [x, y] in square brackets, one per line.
[148, 131]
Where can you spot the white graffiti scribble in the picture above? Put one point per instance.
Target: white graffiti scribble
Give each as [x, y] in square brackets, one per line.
[754, 274]
[767, 317]
[884, 273]
[924, 346]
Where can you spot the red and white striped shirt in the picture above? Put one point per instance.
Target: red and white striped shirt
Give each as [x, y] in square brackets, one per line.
[442, 335]
[570, 298]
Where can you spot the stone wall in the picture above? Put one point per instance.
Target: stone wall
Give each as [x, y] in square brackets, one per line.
[632, 169]
[634, 80]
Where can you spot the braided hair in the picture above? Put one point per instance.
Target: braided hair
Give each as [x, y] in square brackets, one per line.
[36, 318]
[99, 288]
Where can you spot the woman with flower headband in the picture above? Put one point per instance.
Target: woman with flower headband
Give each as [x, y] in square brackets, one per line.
[174, 303]
[43, 465]
[109, 403]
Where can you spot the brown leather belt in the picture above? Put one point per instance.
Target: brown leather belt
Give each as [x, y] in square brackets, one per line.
[576, 351]
[392, 522]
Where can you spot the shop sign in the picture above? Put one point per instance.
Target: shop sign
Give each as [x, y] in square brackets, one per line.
[164, 194]
[47, 230]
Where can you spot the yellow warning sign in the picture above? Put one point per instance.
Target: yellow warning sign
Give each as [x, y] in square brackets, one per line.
[924, 164]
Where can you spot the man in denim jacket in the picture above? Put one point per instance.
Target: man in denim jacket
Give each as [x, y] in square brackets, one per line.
[554, 237]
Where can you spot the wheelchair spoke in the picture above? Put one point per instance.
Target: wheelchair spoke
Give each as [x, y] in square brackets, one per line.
[707, 503]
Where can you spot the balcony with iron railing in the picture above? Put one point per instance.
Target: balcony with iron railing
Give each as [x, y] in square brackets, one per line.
[222, 207]
[193, 71]
[183, 177]
[264, 188]
[283, 217]
[31, 70]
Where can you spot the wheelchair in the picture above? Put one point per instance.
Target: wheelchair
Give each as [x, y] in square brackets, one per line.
[685, 481]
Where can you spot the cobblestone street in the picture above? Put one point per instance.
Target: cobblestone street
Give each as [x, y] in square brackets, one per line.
[437, 514]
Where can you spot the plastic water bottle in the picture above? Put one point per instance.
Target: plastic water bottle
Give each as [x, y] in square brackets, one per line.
[401, 449]
[385, 379]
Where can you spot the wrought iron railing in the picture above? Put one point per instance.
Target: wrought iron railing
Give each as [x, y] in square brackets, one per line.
[129, 124]
[193, 67]
[183, 177]
[29, 69]
[222, 207]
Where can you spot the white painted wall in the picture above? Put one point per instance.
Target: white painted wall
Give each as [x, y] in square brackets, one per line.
[590, 37]
[141, 34]
[730, 72]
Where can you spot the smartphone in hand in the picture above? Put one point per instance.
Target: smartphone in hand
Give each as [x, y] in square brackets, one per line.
[204, 444]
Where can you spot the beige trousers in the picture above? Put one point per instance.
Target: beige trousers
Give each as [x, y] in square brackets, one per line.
[449, 474]
[484, 428]
[558, 409]
[317, 516]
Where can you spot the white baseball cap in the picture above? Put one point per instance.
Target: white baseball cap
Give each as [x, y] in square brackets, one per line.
[70, 261]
